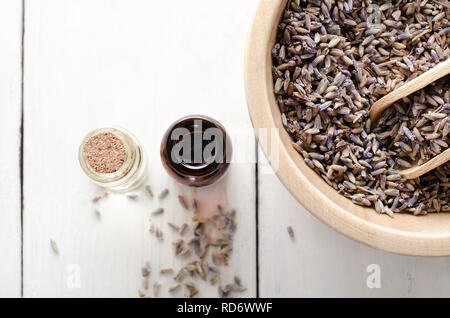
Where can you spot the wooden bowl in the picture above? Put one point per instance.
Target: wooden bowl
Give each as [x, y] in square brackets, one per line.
[405, 234]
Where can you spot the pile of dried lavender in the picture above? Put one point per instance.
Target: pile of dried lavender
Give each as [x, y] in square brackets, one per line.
[210, 243]
[205, 249]
[332, 60]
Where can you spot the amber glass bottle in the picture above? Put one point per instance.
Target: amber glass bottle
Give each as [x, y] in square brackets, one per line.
[196, 150]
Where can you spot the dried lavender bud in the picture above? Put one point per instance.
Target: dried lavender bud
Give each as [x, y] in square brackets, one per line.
[290, 232]
[166, 270]
[149, 191]
[132, 196]
[156, 288]
[54, 247]
[163, 194]
[183, 202]
[97, 198]
[158, 211]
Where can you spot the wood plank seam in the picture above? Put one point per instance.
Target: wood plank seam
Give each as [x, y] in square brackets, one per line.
[21, 147]
[257, 219]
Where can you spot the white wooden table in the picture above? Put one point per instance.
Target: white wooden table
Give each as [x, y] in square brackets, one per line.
[71, 66]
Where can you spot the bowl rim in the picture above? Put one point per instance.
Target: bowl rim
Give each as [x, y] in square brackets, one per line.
[358, 223]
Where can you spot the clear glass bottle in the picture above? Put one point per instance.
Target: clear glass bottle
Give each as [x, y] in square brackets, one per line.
[133, 171]
[185, 150]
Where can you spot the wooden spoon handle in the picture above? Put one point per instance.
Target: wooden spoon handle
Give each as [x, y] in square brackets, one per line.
[418, 171]
[419, 82]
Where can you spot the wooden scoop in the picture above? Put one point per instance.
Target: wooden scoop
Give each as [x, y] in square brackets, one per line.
[419, 82]
[417, 171]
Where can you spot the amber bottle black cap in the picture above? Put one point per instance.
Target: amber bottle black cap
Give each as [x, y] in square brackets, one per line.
[196, 150]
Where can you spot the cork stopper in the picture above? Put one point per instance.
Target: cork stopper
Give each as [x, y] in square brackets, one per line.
[105, 152]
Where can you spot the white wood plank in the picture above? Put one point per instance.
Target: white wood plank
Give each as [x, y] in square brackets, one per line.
[10, 121]
[320, 262]
[140, 65]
